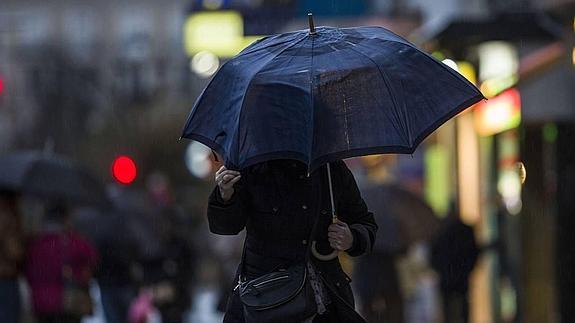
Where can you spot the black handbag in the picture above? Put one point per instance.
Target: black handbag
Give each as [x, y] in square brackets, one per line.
[284, 295]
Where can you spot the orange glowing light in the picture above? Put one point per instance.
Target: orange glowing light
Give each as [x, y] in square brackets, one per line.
[498, 114]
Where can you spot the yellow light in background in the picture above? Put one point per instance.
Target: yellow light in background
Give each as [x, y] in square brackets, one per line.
[498, 67]
[437, 171]
[498, 114]
[573, 56]
[522, 171]
[467, 70]
[247, 40]
[464, 68]
[493, 87]
[468, 169]
[219, 32]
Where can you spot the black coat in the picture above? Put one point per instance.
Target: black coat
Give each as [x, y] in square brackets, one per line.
[278, 203]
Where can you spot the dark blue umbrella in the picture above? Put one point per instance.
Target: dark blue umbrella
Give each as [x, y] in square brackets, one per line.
[326, 94]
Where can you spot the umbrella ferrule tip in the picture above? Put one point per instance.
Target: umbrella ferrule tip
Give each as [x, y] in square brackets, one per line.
[311, 24]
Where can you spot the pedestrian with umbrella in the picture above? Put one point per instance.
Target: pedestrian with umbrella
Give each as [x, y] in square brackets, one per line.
[59, 261]
[281, 115]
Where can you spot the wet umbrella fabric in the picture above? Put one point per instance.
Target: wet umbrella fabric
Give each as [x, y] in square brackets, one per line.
[50, 177]
[326, 96]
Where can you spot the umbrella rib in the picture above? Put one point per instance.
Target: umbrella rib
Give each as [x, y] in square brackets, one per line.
[346, 129]
[270, 38]
[391, 92]
[311, 98]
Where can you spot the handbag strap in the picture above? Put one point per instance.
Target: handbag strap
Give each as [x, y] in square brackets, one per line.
[316, 185]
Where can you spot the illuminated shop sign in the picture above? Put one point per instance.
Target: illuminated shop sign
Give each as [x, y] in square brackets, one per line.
[218, 32]
[498, 114]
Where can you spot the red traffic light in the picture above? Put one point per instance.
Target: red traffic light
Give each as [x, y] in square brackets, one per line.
[124, 170]
[1, 85]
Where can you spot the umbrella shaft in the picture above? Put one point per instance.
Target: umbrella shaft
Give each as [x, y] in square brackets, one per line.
[334, 217]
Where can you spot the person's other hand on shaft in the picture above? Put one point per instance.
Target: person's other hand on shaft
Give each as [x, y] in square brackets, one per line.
[225, 179]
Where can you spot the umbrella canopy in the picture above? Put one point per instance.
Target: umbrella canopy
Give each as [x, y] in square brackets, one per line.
[50, 177]
[404, 216]
[326, 95]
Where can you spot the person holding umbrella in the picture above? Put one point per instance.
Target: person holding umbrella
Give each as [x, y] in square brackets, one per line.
[278, 203]
[316, 97]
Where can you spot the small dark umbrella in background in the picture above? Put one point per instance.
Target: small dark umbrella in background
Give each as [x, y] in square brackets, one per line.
[51, 177]
[415, 219]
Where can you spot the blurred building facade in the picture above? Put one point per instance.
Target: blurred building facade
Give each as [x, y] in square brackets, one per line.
[520, 54]
[88, 78]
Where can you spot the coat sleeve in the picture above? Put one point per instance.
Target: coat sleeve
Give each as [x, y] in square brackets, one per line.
[228, 218]
[354, 212]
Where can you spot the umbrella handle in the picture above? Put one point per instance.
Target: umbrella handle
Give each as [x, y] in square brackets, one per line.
[318, 255]
[314, 251]
[321, 257]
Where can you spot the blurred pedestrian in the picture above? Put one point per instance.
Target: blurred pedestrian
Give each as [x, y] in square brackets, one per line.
[168, 276]
[420, 286]
[375, 275]
[118, 251]
[11, 257]
[453, 255]
[507, 246]
[278, 202]
[59, 266]
[168, 272]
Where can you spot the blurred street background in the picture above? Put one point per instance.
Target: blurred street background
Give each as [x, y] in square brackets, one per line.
[108, 85]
